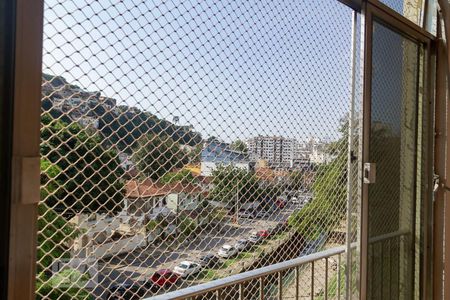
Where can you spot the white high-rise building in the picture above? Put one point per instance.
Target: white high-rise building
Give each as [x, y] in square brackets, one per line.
[277, 151]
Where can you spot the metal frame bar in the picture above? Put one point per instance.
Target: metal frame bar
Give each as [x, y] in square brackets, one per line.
[249, 276]
[399, 21]
[353, 4]
[25, 148]
[350, 154]
[441, 133]
[428, 154]
[7, 48]
[312, 280]
[366, 111]
[386, 16]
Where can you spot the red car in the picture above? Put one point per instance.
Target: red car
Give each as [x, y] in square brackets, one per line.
[263, 233]
[280, 203]
[164, 278]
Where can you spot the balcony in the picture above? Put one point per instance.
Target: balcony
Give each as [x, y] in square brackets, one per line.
[224, 149]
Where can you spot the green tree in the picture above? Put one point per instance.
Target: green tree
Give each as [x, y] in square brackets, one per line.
[231, 183]
[301, 180]
[54, 236]
[51, 188]
[328, 205]
[239, 145]
[184, 176]
[54, 233]
[89, 173]
[196, 154]
[65, 285]
[186, 225]
[157, 155]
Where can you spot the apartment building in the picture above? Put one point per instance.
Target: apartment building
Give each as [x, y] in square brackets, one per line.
[278, 151]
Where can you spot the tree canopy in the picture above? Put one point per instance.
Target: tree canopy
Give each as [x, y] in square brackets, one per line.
[328, 205]
[157, 155]
[89, 174]
[239, 145]
[231, 183]
[184, 176]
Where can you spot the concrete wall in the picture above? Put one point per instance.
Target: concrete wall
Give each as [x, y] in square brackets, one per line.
[123, 245]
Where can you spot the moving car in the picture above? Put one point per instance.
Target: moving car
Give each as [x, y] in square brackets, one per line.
[164, 278]
[187, 268]
[243, 245]
[227, 251]
[209, 261]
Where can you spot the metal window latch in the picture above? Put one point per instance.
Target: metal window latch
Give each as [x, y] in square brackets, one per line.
[370, 173]
[435, 183]
[27, 173]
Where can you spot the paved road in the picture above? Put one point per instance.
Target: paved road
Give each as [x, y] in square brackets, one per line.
[143, 262]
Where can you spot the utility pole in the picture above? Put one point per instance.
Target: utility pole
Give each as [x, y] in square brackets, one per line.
[236, 209]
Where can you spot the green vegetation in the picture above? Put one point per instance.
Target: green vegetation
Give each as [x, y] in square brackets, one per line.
[54, 234]
[184, 176]
[195, 154]
[239, 145]
[231, 183]
[157, 155]
[53, 237]
[186, 225]
[66, 285]
[333, 285]
[300, 180]
[207, 275]
[124, 125]
[328, 206]
[82, 172]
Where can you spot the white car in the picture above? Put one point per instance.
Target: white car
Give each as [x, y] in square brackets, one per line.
[187, 268]
[227, 251]
[295, 200]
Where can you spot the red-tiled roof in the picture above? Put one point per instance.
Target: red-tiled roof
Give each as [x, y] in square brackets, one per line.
[269, 174]
[148, 188]
[204, 179]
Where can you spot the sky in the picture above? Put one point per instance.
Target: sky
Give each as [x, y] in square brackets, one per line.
[231, 69]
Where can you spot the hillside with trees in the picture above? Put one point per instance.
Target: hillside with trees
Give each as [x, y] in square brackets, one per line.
[120, 125]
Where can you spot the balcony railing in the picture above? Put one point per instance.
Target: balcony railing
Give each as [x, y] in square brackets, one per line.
[284, 280]
[271, 281]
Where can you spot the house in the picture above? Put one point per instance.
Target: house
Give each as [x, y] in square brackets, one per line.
[148, 198]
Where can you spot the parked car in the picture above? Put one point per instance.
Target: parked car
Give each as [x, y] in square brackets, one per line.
[247, 213]
[262, 213]
[187, 268]
[130, 291]
[164, 278]
[280, 203]
[227, 251]
[295, 200]
[255, 238]
[263, 233]
[209, 261]
[243, 245]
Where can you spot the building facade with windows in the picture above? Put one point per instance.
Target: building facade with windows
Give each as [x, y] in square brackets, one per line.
[278, 151]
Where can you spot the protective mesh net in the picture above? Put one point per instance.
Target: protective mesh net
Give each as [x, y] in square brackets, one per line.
[185, 141]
